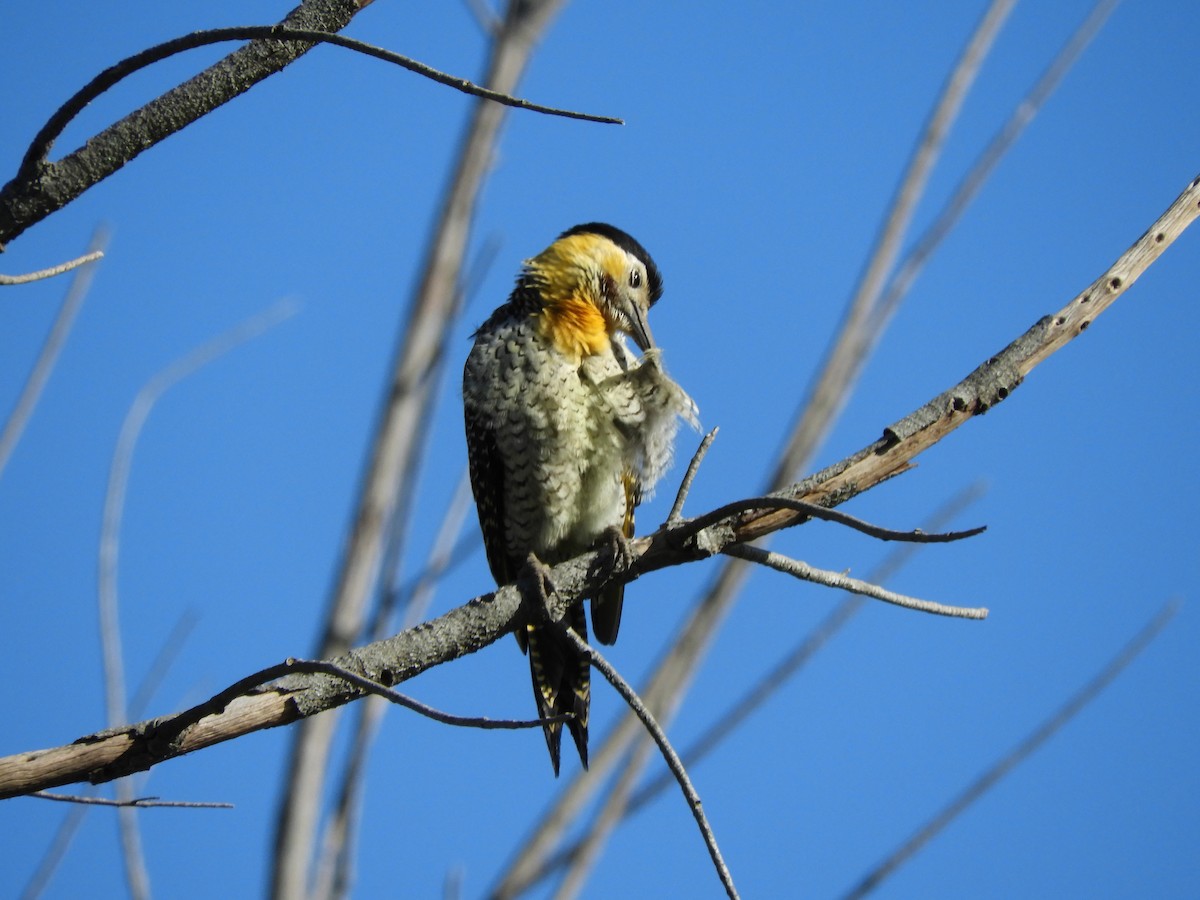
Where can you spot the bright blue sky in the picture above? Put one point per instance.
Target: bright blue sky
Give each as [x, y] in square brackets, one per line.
[760, 150]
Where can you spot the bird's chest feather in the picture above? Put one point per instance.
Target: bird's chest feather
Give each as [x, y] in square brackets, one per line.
[563, 440]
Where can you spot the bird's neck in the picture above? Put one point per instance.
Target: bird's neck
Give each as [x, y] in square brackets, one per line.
[574, 325]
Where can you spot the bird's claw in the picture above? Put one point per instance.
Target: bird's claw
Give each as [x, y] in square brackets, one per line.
[537, 587]
[619, 547]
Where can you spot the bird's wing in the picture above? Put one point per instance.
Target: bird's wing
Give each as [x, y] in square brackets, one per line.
[487, 484]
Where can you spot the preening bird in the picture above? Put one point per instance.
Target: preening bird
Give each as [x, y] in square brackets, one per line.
[566, 430]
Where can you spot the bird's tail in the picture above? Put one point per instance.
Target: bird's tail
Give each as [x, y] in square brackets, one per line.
[606, 612]
[561, 682]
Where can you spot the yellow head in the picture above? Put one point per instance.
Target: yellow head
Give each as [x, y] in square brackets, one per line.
[593, 281]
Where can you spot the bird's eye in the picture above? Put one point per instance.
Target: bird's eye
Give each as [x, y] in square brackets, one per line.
[635, 278]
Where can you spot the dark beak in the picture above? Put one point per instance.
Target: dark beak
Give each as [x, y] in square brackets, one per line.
[639, 328]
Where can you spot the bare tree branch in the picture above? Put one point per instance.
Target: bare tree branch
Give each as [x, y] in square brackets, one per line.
[39, 149]
[740, 709]
[1018, 754]
[396, 448]
[816, 511]
[25, 202]
[485, 619]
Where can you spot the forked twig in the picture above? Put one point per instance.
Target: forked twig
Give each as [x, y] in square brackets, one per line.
[817, 511]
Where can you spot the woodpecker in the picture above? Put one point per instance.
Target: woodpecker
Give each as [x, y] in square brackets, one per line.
[567, 429]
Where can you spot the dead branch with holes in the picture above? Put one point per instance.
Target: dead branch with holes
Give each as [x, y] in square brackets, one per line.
[485, 619]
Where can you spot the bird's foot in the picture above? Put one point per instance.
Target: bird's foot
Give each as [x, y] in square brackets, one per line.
[619, 547]
[537, 587]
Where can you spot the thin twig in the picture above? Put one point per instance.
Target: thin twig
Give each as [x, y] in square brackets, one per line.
[27, 401]
[53, 270]
[367, 686]
[669, 755]
[816, 511]
[804, 571]
[685, 486]
[1020, 753]
[139, 802]
[39, 149]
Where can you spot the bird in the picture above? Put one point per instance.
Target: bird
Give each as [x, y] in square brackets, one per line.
[567, 432]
